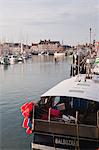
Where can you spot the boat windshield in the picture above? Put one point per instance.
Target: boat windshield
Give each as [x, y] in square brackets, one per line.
[68, 106]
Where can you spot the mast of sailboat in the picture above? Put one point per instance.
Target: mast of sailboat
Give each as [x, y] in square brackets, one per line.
[62, 42]
[21, 48]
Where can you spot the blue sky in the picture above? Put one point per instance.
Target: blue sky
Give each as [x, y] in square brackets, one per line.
[32, 20]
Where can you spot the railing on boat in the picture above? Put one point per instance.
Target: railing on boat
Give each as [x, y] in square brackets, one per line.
[73, 129]
[84, 131]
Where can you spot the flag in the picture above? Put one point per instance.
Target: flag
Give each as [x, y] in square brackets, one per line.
[26, 113]
[23, 107]
[28, 130]
[25, 123]
[27, 109]
[29, 123]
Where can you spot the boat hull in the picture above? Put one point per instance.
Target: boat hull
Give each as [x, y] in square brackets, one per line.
[51, 135]
[44, 141]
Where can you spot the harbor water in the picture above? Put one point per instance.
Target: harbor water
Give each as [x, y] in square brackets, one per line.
[24, 82]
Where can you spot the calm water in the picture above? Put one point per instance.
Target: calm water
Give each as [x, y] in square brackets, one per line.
[20, 83]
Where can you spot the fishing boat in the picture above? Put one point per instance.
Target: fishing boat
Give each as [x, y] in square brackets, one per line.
[67, 115]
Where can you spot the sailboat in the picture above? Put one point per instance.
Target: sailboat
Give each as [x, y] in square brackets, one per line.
[20, 59]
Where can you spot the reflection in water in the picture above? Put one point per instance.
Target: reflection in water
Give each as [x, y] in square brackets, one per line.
[46, 58]
[5, 67]
[42, 58]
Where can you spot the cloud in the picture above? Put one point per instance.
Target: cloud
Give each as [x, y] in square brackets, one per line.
[63, 18]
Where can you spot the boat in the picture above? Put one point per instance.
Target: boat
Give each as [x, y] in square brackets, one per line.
[35, 52]
[97, 60]
[67, 115]
[12, 59]
[44, 53]
[96, 66]
[20, 59]
[51, 52]
[58, 54]
[5, 60]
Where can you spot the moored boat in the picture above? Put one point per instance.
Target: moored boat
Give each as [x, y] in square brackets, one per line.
[5, 60]
[59, 54]
[12, 59]
[20, 59]
[67, 116]
[96, 66]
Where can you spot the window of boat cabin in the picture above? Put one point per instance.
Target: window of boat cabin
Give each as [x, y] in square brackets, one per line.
[56, 100]
[80, 104]
[85, 104]
[62, 103]
[72, 102]
[62, 99]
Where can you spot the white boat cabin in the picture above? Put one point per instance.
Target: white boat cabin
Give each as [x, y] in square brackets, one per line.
[74, 94]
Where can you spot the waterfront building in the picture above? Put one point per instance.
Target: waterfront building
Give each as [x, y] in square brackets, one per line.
[14, 48]
[48, 45]
[1, 49]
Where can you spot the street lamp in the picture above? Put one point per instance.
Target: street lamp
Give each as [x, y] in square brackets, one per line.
[90, 35]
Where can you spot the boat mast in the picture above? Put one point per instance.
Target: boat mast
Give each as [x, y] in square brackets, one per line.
[21, 48]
